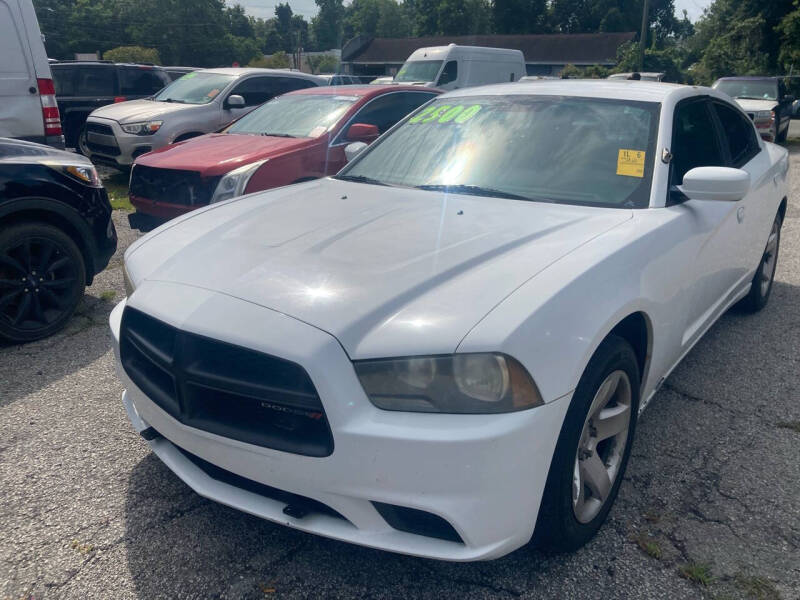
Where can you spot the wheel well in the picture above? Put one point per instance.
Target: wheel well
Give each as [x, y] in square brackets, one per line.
[185, 136]
[56, 220]
[782, 209]
[635, 329]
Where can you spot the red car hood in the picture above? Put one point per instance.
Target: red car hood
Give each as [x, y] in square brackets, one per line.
[218, 153]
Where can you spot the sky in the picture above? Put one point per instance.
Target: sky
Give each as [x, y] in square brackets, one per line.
[266, 8]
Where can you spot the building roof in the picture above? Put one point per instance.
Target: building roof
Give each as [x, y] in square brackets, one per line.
[562, 48]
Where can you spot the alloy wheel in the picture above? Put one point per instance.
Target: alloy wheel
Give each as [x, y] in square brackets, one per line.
[37, 282]
[601, 447]
[769, 261]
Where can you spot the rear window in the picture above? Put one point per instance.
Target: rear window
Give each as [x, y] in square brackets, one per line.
[95, 81]
[141, 81]
[64, 80]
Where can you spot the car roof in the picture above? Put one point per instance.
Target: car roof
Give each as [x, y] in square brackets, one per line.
[362, 90]
[239, 71]
[749, 78]
[102, 63]
[643, 91]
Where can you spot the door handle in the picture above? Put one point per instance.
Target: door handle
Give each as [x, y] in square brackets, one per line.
[740, 214]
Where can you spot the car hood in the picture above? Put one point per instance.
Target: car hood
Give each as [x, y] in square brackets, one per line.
[755, 105]
[134, 111]
[387, 271]
[218, 153]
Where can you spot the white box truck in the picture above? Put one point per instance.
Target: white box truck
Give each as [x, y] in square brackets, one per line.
[28, 108]
[452, 67]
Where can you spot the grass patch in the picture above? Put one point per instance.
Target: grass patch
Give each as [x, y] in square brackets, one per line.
[697, 572]
[758, 588]
[117, 187]
[649, 546]
[793, 425]
[107, 295]
[82, 548]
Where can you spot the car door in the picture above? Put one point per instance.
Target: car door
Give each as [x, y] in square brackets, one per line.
[717, 231]
[20, 103]
[745, 153]
[384, 112]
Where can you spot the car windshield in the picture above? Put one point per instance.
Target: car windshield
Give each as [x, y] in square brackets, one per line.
[299, 115]
[753, 89]
[195, 88]
[419, 70]
[569, 150]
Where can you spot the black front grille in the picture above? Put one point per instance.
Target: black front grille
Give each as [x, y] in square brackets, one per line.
[224, 389]
[99, 128]
[173, 186]
[418, 522]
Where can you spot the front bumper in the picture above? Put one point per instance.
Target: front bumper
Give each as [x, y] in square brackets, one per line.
[483, 474]
[161, 210]
[115, 147]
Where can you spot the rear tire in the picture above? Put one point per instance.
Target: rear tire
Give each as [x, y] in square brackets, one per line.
[586, 471]
[761, 285]
[42, 279]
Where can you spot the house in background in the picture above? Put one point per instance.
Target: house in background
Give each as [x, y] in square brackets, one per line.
[545, 54]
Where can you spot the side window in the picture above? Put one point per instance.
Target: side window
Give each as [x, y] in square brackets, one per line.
[384, 111]
[139, 82]
[95, 81]
[64, 80]
[256, 90]
[694, 140]
[449, 73]
[290, 84]
[739, 134]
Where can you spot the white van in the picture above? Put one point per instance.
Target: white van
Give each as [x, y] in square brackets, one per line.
[28, 108]
[452, 67]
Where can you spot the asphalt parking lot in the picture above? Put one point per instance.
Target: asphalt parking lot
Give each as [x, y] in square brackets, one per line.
[710, 505]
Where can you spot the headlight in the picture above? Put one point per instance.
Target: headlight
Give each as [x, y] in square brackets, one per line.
[460, 383]
[143, 128]
[234, 182]
[129, 287]
[84, 173]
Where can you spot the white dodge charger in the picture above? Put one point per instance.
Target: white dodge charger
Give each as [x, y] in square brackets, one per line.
[443, 350]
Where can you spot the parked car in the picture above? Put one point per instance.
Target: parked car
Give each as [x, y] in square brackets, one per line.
[642, 76]
[442, 350]
[83, 86]
[56, 233]
[296, 137]
[28, 108]
[341, 79]
[765, 100]
[197, 103]
[382, 80]
[452, 67]
[178, 72]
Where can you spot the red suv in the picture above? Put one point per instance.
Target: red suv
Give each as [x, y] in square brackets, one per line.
[295, 137]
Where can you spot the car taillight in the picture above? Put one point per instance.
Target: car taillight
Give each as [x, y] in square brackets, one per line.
[52, 120]
[118, 99]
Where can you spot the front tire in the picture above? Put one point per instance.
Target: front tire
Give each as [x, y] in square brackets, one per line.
[761, 286]
[592, 450]
[42, 278]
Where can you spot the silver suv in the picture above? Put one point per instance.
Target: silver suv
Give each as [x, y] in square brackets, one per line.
[197, 103]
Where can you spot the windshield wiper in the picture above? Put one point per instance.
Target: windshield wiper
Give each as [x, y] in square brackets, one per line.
[474, 190]
[173, 100]
[360, 179]
[284, 135]
[755, 98]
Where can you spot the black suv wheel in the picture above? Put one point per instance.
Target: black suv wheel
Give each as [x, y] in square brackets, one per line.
[42, 278]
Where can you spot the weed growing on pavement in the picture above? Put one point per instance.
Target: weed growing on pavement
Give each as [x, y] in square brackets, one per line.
[697, 572]
[757, 588]
[107, 295]
[649, 546]
[82, 548]
[793, 425]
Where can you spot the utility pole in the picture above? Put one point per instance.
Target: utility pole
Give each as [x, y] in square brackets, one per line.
[643, 35]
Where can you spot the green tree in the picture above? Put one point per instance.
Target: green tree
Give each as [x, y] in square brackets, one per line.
[133, 54]
[520, 16]
[463, 17]
[789, 30]
[327, 25]
[279, 60]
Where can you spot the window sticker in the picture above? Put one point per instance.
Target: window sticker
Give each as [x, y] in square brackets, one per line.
[212, 93]
[189, 76]
[446, 113]
[630, 163]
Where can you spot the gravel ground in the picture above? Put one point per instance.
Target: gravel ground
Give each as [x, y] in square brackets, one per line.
[710, 505]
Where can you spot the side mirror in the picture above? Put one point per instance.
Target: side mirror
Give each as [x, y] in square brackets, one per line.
[716, 183]
[353, 150]
[362, 132]
[234, 101]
